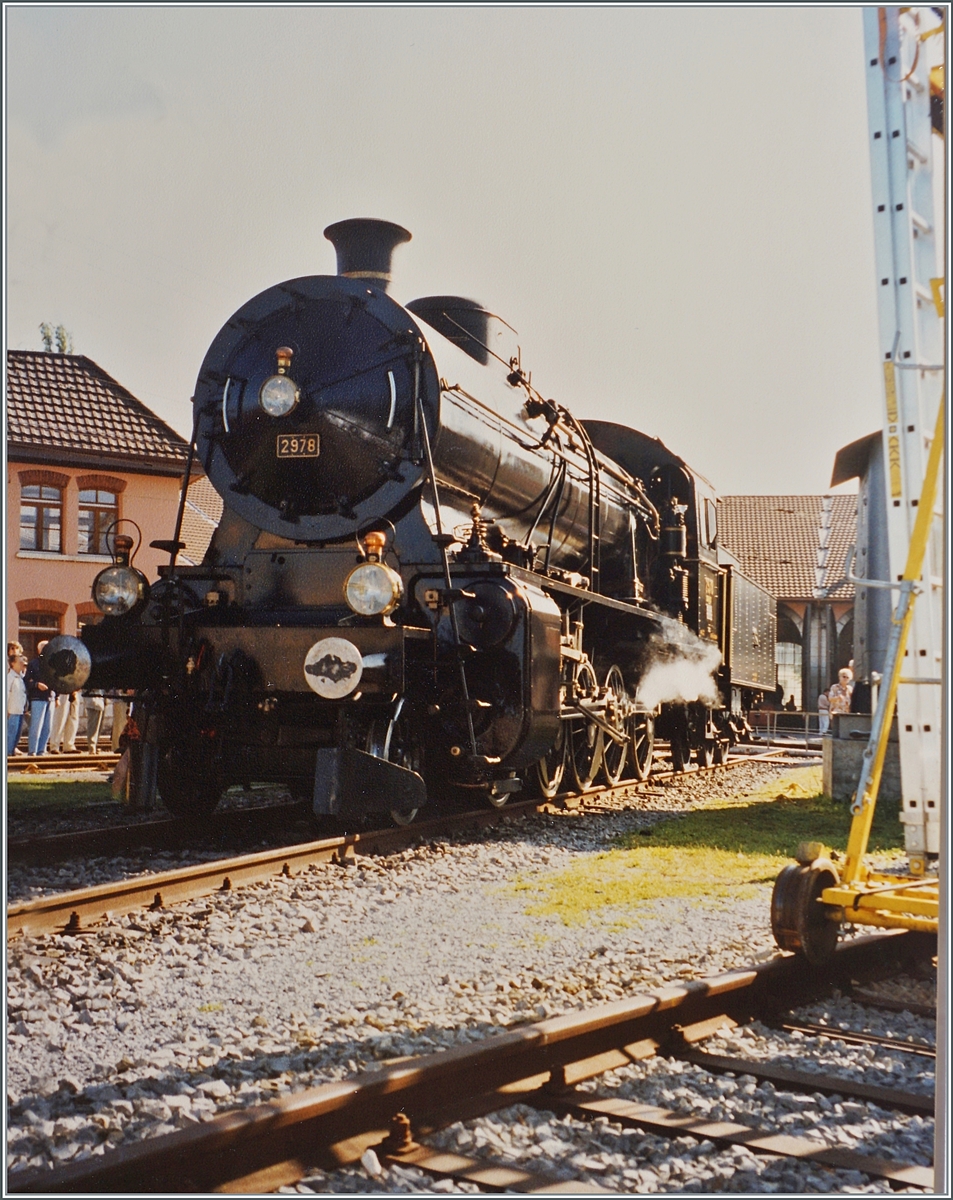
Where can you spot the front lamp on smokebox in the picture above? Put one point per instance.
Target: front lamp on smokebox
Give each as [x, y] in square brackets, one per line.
[279, 394]
[120, 588]
[373, 589]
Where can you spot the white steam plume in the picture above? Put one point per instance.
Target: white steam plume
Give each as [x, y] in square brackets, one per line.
[681, 668]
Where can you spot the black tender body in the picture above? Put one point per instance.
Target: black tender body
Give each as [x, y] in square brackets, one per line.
[546, 565]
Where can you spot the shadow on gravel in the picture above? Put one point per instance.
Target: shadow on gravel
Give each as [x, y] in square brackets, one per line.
[68, 1123]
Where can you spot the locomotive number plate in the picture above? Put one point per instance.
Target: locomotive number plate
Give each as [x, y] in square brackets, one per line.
[299, 445]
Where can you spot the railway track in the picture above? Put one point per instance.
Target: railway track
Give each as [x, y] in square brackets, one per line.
[258, 821]
[394, 1115]
[32, 764]
[160, 834]
[71, 911]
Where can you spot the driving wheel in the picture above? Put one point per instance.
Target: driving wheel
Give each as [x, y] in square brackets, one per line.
[641, 743]
[680, 750]
[551, 768]
[586, 739]
[614, 753]
[189, 777]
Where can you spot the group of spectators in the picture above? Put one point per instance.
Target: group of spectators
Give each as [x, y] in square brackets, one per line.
[53, 717]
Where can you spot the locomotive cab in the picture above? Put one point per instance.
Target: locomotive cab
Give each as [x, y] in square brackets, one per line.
[694, 585]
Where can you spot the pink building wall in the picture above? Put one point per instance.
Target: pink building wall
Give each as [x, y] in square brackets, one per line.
[61, 582]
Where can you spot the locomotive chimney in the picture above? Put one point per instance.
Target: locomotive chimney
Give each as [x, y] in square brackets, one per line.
[364, 248]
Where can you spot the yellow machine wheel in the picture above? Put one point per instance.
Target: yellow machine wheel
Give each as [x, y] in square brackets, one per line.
[799, 921]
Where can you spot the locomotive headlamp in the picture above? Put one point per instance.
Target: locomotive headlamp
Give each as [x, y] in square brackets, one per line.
[372, 589]
[118, 589]
[279, 395]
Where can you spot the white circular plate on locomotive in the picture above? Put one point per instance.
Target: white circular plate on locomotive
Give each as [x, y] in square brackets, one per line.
[333, 668]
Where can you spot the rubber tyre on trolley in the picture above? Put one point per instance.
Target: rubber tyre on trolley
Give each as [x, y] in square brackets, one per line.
[800, 921]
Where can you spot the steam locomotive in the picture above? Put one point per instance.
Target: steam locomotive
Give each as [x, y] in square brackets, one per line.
[428, 579]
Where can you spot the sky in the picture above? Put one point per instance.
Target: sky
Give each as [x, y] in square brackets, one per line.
[670, 205]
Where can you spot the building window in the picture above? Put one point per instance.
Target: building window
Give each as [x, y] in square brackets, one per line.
[36, 627]
[41, 517]
[787, 655]
[98, 511]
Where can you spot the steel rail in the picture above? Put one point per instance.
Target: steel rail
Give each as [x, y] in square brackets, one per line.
[874, 1000]
[268, 1146]
[176, 832]
[857, 1037]
[61, 760]
[164, 833]
[808, 1081]
[68, 912]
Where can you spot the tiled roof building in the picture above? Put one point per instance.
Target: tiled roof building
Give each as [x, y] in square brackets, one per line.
[64, 407]
[777, 538]
[795, 547]
[203, 511]
[85, 459]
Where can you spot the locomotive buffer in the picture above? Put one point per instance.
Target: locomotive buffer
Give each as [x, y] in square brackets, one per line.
[903, 50]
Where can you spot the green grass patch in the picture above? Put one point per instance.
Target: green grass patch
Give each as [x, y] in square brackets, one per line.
[725, 850]
[772, 821]
[24, 795]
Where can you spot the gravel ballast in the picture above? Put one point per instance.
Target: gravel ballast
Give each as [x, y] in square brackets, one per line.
[163, 1019]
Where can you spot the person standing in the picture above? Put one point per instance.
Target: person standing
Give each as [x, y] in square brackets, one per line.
[120, 717]
[39, 697]
[95, 705]
[64, 723]
[823, 713]
[839, 694]
[861, 697]
[16, 701]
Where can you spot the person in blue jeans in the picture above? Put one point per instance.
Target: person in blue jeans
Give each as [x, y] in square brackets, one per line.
[39, 696]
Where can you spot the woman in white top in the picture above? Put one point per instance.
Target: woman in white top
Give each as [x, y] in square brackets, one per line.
[839, 693]
[16, 700]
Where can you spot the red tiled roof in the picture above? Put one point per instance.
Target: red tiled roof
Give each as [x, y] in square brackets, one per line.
[203, 511]
[65, 402]
[776, 540]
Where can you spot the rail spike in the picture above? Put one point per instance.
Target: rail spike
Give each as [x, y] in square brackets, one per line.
[400, 1139]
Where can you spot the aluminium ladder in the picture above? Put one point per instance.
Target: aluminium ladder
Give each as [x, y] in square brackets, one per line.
[904, 54]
